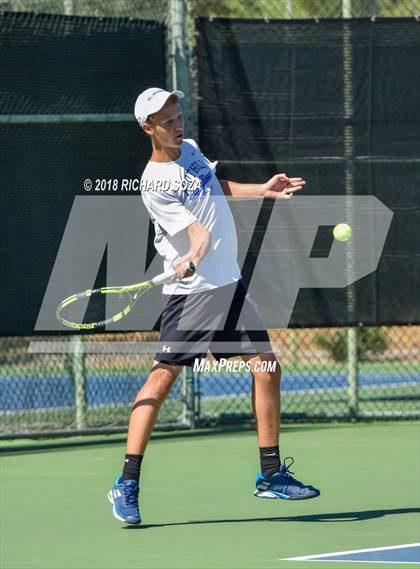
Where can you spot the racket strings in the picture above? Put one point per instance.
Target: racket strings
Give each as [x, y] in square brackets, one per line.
[96, 308]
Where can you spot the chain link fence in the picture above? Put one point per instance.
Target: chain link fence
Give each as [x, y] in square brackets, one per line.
[270, 9]
[74, 391]
[157, 10]
[294, 9]
[67, 389]
[316, 372]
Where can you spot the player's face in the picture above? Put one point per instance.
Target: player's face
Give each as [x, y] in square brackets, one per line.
[169, 125]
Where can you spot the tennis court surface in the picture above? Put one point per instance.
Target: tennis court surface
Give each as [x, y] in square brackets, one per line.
[197, 503]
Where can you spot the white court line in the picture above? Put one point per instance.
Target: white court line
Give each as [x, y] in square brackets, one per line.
[322, 556]
[350, 561]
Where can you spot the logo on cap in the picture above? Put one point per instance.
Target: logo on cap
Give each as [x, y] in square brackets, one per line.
[154, 93]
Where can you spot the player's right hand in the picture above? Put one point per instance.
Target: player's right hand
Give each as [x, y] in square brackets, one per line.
[181, 268]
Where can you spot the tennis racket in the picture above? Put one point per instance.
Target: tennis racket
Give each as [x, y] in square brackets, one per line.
[71, 310]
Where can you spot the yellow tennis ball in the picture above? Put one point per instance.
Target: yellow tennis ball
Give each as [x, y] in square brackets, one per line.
[342, 232]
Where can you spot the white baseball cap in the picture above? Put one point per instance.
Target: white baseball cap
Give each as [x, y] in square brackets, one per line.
[151, 101]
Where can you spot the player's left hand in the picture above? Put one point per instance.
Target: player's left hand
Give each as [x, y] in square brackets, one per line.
[280, 186]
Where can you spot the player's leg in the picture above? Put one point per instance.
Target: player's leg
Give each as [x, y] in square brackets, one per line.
[266, 374]
[275, 479]
[245, 326]
[124, 494]
[147, 405]
[175, 351]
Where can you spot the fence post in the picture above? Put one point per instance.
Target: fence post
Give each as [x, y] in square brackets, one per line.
[68, 7]
[176, 43]
[180, 68]
[352, 372]
[187, 396]
[288, 11]
[77, 368]
[352, 333]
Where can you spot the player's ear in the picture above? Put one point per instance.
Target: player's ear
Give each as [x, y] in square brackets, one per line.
[147, 128]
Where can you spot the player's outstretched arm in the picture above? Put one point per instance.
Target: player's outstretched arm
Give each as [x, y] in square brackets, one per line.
[280, 186]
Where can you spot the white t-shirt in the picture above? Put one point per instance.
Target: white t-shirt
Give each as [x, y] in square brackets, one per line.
[176, 194]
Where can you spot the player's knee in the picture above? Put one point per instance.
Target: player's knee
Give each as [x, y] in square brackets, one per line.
[157, 388]
[161, 379]
[267, 369]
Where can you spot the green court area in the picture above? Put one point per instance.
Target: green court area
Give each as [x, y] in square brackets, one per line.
[197, 499]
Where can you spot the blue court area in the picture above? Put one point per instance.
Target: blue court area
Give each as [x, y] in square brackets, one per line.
[18, 393]
[407, 553]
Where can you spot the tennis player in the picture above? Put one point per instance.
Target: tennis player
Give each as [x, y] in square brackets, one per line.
[193, 222]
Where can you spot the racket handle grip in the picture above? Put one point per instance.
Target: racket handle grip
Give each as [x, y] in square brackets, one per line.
[170, 276]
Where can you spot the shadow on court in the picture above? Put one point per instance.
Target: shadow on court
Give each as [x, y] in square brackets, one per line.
[101, 440]
[334, 517]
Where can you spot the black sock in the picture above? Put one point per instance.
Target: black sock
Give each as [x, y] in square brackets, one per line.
[132, 465]
[270, 460]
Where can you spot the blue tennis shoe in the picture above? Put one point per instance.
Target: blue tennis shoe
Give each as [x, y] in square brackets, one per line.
[124, 497]
[283, 486]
